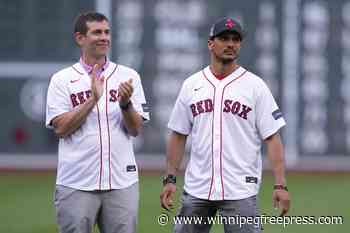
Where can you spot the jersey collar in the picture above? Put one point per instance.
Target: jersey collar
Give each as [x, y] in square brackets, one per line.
[84, 69]
[88, 68]
[235, 74]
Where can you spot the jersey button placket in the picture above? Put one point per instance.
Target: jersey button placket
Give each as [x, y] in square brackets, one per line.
[216, 145]
[105, 141]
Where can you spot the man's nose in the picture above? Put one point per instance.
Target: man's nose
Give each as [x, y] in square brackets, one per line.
[233, 42]
[105, 36]
[230, 43]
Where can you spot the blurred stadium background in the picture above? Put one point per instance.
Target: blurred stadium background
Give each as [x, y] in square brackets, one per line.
[300, 47]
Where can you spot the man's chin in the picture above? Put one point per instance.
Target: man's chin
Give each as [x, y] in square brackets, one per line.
[101, 54]
[102, 51]
[228, 60]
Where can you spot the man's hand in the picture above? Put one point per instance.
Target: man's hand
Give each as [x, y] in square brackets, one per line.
[125, 91]
[96, 84]
[166, 196]
[281, 200]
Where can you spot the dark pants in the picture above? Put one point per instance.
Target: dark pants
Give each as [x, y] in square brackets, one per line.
[230, 210]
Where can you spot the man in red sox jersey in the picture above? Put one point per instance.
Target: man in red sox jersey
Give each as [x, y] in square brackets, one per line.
[229, 112]
[96, 106]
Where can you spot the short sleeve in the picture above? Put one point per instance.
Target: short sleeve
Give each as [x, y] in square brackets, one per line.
[181, 118]
[58, 100]
[269, 117]
[139, 101]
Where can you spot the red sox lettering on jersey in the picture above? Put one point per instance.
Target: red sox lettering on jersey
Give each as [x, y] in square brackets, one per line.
[82, 96]
[101, 145]
[234, 107]
[226, 120]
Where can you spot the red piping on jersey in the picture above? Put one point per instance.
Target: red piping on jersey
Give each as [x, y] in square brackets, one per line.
[222, 98]
[222, 180]
[77, 70]
[212, 139]
[109, 136]
[99, 127]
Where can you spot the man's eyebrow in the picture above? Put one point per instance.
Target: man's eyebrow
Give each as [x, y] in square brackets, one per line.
[98, 29]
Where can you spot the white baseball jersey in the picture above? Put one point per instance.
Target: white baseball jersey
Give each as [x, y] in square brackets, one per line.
[227, 121]
[98, 155]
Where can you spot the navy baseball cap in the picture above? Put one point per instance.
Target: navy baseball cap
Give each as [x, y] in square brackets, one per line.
[226, 24]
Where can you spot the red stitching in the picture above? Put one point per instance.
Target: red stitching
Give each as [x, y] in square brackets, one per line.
[212, 138]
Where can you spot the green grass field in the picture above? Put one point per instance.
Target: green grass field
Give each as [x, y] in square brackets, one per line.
[26, 203]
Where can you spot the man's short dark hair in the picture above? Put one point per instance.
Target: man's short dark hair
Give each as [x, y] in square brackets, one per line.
[81, 20]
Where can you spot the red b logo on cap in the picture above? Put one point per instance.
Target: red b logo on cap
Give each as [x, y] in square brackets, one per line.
[229, 23]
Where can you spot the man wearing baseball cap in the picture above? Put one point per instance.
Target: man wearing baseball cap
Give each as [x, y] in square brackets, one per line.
[226, 25]
[229, 113]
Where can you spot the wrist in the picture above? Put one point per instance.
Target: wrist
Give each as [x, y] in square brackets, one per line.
[280, 187]
[92, 101]
[94, 98]
[125, 106]
[169, 179]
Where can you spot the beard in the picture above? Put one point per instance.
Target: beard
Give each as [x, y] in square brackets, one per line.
[225, 60]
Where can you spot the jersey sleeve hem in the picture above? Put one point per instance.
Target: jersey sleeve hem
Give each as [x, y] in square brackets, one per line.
[145, 116]
[274, 130]
[178, 130]
[50, 118]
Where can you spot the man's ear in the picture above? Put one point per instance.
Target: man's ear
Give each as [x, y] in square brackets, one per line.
[79, 38]
[210, 44]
